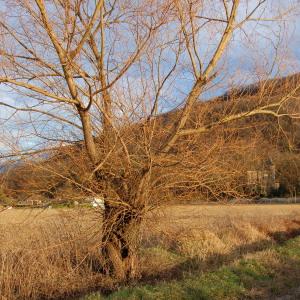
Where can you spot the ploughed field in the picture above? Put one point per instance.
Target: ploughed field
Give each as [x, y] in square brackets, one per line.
[188, 252]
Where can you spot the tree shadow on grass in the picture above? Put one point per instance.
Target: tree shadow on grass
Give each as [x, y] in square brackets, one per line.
[230, 279]
[194, 265]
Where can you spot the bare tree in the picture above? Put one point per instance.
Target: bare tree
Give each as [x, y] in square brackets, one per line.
[101, 72]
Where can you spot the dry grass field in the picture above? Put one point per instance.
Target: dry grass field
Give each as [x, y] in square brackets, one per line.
[53, 253]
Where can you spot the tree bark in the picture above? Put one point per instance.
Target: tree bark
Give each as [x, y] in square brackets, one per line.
[119, 242]
[88, 135]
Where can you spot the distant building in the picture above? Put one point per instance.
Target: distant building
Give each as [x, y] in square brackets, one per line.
[33, 200]
[263, 181]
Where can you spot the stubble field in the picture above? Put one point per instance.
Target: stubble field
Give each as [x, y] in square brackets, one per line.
[188, 252]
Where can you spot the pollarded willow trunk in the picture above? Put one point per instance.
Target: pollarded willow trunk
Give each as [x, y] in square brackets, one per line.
[121, 225]
[122, 220]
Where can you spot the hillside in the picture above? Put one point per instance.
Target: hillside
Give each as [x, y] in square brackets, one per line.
[242, 145]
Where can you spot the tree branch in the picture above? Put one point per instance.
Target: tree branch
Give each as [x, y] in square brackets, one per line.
[37, 90]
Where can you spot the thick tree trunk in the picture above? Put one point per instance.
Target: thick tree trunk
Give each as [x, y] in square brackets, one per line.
[119, 242]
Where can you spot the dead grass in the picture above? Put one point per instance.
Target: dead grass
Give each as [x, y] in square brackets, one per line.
[214, 234]
[48, 254]
[51, 254]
